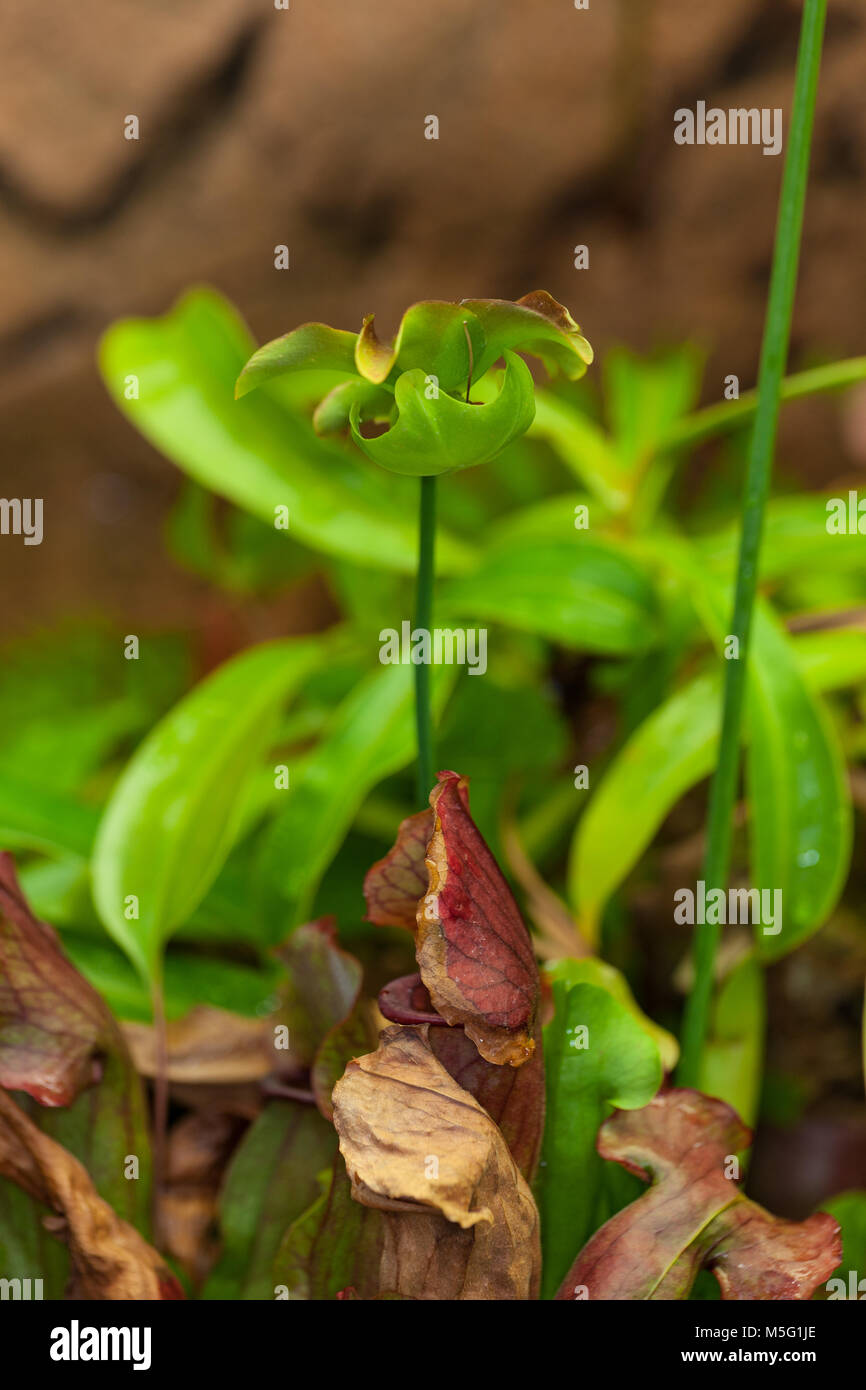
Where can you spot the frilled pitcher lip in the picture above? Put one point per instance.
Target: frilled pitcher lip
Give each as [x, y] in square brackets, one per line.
[418, 385]
[537, 323]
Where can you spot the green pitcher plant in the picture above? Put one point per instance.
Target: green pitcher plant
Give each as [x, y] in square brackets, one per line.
[408, 405]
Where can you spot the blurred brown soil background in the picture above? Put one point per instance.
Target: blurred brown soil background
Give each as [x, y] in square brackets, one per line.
[306, 127]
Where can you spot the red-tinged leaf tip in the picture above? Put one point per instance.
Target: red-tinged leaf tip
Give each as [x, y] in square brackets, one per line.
[542, 302]
[395, 885]
[760, 1256]
[473, 949]
[659, 1138]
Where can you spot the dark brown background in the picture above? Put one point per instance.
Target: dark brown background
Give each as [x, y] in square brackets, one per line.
[306, 127]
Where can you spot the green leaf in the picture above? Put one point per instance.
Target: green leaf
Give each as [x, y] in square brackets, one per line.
[550, 521]
[583, 447]
[38, 818]
[322, 987]
[581, 592]
[832, 659]
[589, 970]
[731, 1066]
[259, 452]
[614, 1062]
[27, 1251]
[104, 1127]
[371, 736]
[335, 1245]
[176, 809]
[190, 979]
[645, 397]
[800, 801]
[353, 1037]
[58, 891]
[310, 348]
[271, 1181]
[333, 413]
[478, 737]
[67, 703]
[671, 751]
[849, 1209]
[795, 537]
[727, 416]
[438, 434]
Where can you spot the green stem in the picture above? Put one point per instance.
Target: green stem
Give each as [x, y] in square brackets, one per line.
[423, 619]
[774, 352]
[159, 1139]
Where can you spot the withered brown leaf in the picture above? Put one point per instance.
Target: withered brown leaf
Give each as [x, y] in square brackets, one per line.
[512, 1096]
[199, 1145]
[461, 1222]
[109, 1259]
[208, 1046]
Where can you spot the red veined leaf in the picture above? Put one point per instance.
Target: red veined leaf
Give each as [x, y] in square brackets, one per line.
[694, 1214]
[395, 885]
[52, 1023]
[473, 949]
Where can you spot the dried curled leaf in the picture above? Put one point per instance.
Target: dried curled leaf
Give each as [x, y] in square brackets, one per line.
[473, 949]
[110, 1260]
[198, 1148]
[512, 1096]
[395, 885]
[461, 1221]
[52, 1023]
[208, 1046]
[695, 1215]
